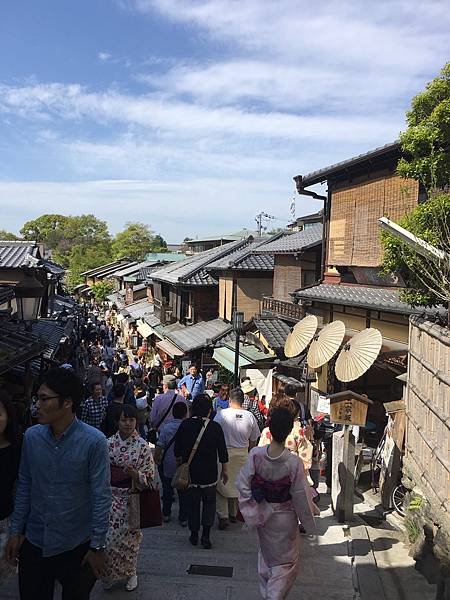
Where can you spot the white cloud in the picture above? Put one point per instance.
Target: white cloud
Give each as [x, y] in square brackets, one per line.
[168, 207]
[69, 102]
[104, 56]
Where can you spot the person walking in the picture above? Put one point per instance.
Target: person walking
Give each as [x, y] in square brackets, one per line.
[212, 450]
[165, 459]
[193, 381]
[94, 409]
[162, 405]
[114, 409]
[241, 433]
[60, 519]
[251, 402]
[132, 468]
[273, 496]
[10, 443]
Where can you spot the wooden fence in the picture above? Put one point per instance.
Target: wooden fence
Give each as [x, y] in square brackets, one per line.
[427, 454]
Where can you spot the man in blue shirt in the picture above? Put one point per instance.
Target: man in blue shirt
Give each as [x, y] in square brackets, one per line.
[193, 381]
[60, 520]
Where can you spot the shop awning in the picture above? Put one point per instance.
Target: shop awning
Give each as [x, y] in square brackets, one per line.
[225, 357]
[169, 348]
[144, 329]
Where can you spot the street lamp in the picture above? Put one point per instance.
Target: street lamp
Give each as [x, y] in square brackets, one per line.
[238, 325]
[29, 293]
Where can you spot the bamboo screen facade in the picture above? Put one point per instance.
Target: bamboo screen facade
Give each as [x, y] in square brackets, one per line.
[355, 210]
[427, 455]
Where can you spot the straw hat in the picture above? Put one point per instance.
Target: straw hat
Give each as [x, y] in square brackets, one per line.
[247, 386]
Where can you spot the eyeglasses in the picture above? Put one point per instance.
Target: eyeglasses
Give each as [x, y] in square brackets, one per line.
[45, 398]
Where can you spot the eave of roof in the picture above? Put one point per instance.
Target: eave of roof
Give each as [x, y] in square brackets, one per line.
[369, 297]
[333, 170]
[295, 242]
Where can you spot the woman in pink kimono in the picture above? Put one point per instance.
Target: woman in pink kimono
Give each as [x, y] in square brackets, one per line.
[273, 496]
[132, 466]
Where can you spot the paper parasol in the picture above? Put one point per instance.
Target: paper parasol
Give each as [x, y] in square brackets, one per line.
[325, 344]
[358, 354]
[300, 336]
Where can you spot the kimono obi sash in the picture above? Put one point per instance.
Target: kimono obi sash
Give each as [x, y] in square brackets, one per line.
[277, 491]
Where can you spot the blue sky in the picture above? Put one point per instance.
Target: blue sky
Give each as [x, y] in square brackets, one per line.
[194, 116]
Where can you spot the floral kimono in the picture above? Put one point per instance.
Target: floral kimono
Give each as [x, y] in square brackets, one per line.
[273, 496]
[122, 543]
[296, 442]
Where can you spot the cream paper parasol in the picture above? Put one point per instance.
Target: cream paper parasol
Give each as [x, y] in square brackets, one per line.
[300, 336]
[325, 344]
[358, 354]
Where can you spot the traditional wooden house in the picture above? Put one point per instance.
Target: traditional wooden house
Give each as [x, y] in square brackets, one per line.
[186, 291]
[297, 260]
[245, 278]
[360, 191]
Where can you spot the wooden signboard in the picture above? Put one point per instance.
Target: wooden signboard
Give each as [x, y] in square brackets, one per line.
[349, 408]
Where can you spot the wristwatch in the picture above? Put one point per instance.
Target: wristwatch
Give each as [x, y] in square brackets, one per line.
[97, 548]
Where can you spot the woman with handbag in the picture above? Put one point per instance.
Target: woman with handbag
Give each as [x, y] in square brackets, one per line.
[132, 470]
[200, 447]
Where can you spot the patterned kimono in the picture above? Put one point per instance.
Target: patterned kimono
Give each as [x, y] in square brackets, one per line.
[273, 496]
[296, 442]
[122, 545]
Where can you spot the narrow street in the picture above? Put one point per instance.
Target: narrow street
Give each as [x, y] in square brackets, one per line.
[166, 555]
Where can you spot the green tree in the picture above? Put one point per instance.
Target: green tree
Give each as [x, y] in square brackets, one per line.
[135, 241]
[82, 258]
[426, 141]
[426, 146]
[159, 244]
[427, 283]
[8, 236]
[101, 290]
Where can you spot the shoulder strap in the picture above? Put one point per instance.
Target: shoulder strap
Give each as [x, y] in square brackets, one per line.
[168, 446]
[197, 441]
[167, 411]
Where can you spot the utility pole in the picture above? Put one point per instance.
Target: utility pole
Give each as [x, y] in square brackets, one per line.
[259, 221]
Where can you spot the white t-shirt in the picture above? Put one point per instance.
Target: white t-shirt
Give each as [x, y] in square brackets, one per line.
[239, 426]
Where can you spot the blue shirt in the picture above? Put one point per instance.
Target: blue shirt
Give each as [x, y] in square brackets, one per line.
[64, 494]
[195, 385]
[166, 435]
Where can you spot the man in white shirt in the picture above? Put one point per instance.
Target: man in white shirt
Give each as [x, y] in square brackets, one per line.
[241, 434]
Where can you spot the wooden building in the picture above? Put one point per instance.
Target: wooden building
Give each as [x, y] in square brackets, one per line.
[245, 278]
[360, 191]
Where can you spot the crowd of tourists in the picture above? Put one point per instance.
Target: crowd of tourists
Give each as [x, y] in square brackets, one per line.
[113, 426]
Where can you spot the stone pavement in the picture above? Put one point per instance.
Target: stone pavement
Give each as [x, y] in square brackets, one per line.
[165, 556]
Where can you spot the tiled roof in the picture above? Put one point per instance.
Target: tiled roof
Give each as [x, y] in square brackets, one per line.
[295, 242]
[196, 336]
[274, 330]
[6, 293]
[185, 270]
[357, 295]
[17, 346]
[109, 267]
[139, 310]
[243, 258]
[130, 269]
[51, 333]
[145, 273]
[17, 254]
[323, 174]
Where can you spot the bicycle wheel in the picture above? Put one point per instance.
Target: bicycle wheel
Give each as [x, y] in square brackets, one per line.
[398, 499]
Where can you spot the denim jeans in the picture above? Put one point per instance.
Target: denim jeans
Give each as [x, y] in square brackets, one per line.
[167, 499]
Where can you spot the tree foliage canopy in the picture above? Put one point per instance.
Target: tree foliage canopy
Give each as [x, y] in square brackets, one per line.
[426, 144]
[136, 241]
[427, 282]
[101, 290]
[7, 235]
[426, 141]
